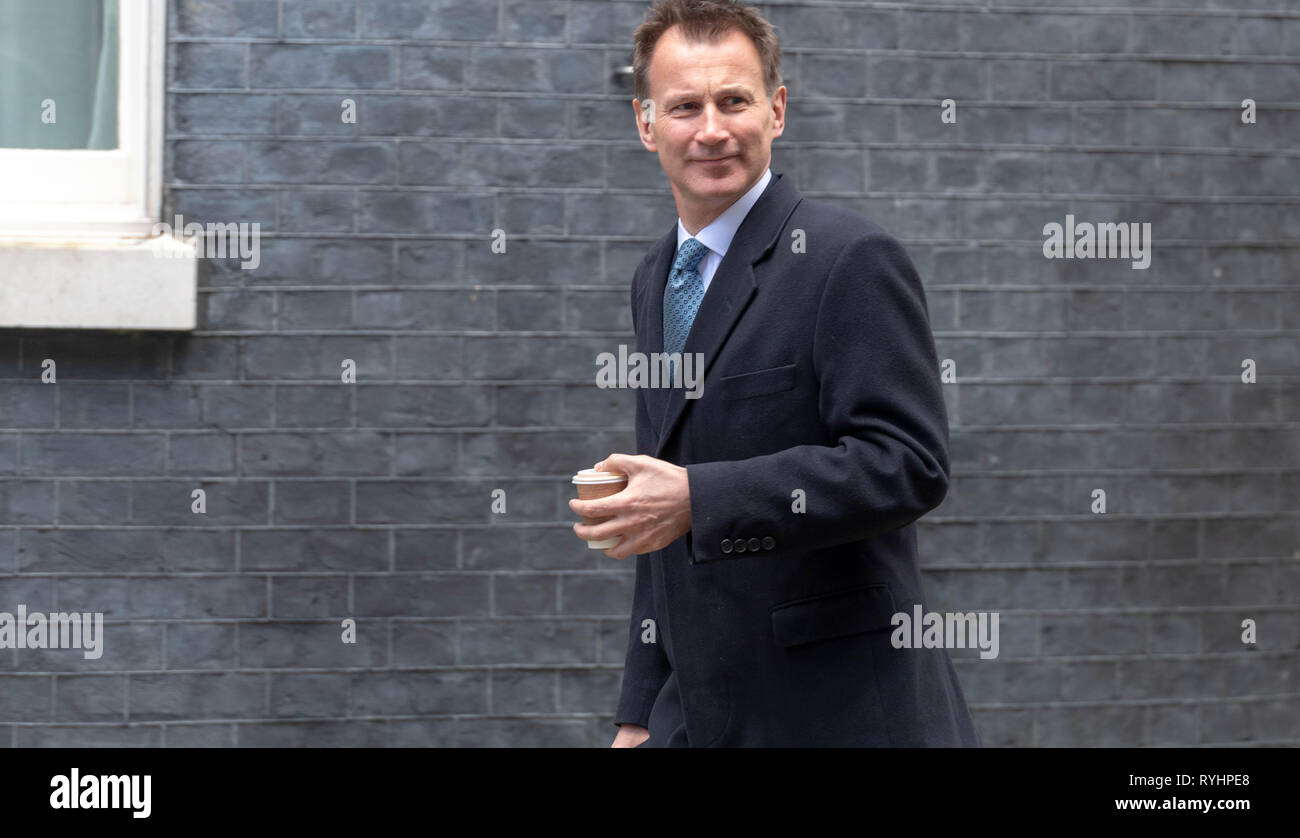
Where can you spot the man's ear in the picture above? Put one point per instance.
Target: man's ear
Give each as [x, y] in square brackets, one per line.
[645, 110]
[778, 112]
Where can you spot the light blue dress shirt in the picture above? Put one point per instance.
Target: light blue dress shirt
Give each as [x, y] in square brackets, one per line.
[717, 235]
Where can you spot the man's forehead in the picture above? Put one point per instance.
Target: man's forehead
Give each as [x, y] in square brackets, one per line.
[722, 90]
[734, 81]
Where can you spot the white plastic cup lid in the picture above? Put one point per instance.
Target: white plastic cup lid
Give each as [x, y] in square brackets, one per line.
[590, 475]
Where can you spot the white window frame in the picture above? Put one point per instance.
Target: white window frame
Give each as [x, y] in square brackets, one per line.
[49, 191]
[77, 248]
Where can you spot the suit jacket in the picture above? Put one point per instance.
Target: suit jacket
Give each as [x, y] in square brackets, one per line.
[820, 382]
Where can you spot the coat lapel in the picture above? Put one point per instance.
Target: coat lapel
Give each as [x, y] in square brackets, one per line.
[651, 315]
[728, 294]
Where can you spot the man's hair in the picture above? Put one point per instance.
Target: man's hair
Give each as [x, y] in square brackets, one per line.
[704, 20]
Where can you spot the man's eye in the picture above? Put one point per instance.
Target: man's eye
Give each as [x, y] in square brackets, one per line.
[736, 99]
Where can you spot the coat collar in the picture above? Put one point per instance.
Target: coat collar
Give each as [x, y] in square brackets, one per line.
[728, 294]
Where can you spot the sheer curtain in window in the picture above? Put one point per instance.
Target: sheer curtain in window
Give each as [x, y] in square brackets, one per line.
[65, 51]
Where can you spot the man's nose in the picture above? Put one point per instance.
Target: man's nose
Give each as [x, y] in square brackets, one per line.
[713, 127]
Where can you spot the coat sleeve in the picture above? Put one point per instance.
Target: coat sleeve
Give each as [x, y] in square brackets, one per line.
[645, 668]
[879, 396]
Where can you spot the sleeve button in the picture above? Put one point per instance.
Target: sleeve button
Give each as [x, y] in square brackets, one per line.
[726, 545]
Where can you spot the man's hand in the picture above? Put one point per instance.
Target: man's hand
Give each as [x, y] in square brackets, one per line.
[629, 736]
[651, 513]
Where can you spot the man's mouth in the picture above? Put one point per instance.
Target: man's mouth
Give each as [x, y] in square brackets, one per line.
[715, 159]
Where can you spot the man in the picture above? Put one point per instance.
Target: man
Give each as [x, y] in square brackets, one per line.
[772, 517]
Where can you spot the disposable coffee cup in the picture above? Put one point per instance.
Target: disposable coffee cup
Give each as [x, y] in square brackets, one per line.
[594, 484]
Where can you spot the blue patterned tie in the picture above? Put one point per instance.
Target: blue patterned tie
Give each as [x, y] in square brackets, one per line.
[682, 296]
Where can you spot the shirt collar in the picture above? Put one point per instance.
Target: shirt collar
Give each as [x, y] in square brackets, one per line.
[719, 232]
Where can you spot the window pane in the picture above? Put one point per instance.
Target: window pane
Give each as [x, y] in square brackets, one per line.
[58, 74]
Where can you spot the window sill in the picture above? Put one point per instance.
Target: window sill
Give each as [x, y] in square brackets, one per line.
[98, 283]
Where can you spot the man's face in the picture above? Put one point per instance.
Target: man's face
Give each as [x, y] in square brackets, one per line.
[713, 124]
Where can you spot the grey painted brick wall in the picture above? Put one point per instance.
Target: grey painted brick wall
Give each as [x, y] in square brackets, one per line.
[475, 369]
